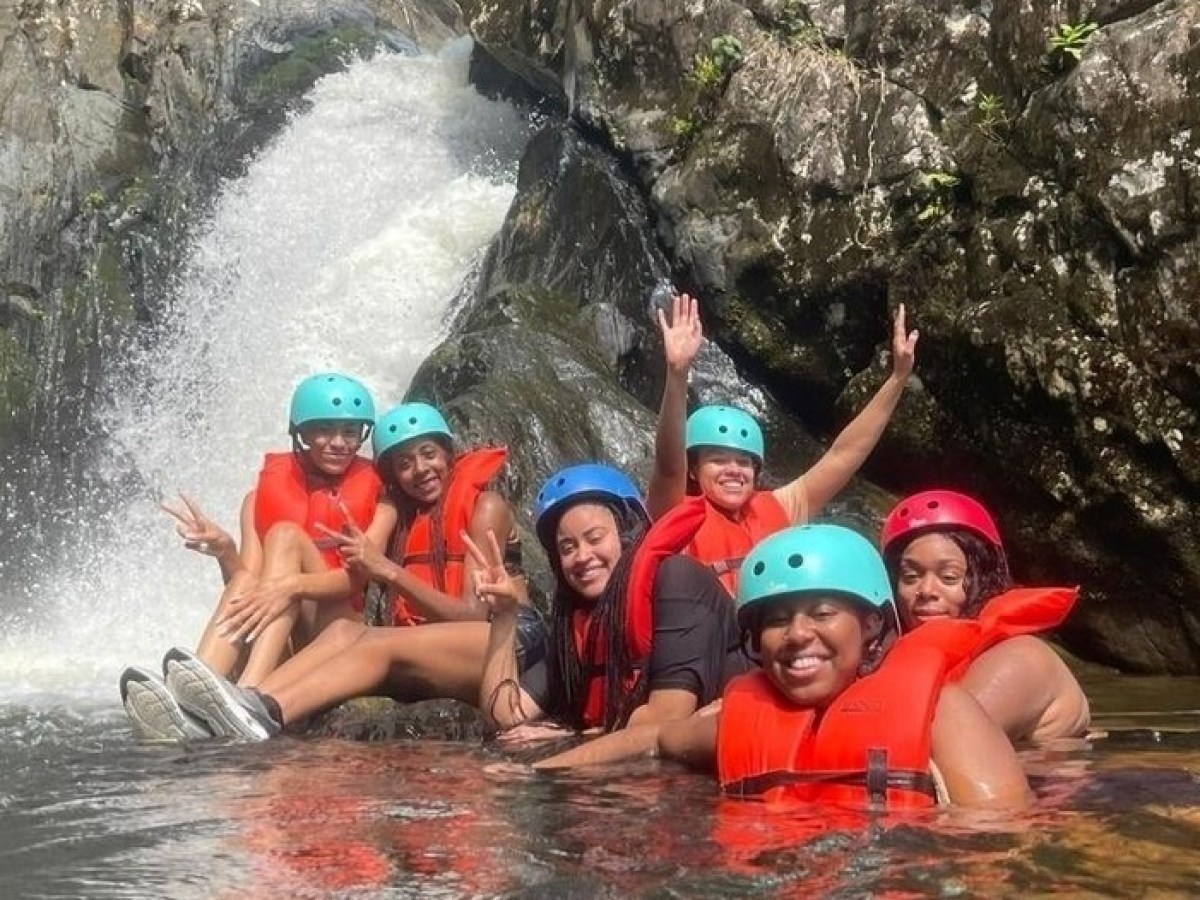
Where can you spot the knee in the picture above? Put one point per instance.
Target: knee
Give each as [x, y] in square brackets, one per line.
[284, 536]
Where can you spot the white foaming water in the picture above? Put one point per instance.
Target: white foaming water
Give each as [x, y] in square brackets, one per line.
[340, 249]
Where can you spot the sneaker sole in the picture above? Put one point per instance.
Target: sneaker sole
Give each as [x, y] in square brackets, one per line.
[156, 717]
[201, 693]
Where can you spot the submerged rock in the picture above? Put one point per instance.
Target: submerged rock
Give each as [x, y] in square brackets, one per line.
[385, 719]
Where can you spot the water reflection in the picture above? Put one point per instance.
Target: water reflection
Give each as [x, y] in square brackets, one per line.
[86, 812]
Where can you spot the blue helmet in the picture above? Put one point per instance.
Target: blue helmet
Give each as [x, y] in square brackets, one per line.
[406, 422]
[330, 397]
[587, 481]
[824, 559]
[727, 427]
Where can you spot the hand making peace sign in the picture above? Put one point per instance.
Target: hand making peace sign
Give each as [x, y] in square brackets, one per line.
[493, 585]
[357, 550]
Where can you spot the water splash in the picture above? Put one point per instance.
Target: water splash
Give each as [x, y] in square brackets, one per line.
[340, 248]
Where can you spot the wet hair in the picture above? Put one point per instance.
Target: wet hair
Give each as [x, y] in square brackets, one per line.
[569, 674]
[987, 566]
[408, 509]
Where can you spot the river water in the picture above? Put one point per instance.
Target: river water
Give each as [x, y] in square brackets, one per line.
[342, 247]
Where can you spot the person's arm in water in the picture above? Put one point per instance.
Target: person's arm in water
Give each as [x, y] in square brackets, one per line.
[1028, 691]
[683, 337]
[302, 577]
[503, 700]
[202, 534]
[491, 513]
[976, 761]
[693, 630]
[807, 495]
[691, 740]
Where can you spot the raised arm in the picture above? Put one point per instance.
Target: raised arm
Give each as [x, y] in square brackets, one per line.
[683, 336]
[976, 761]
[807, 495]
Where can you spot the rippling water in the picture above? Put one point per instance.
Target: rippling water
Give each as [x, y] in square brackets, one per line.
[86, 812]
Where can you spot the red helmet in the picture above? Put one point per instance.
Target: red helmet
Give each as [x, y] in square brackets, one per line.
[933, 509]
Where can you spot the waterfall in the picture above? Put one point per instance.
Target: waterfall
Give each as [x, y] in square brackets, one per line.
[340, 248]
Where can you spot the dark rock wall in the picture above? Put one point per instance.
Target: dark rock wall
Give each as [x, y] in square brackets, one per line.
[1021, 176]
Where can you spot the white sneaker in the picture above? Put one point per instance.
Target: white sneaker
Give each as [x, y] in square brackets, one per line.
[227, 709]
[154, 713]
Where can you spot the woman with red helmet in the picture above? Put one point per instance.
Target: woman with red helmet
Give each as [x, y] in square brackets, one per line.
[946, 560]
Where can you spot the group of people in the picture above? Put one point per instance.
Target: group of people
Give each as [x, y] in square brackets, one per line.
[708, 620]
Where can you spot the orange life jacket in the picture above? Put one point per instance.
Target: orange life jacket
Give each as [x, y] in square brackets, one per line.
[285, 493]
[666, 537]
[1015, 612]
[470, 476]
[724, 540]
[871, 743]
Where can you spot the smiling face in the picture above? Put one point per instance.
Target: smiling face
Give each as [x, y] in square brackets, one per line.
[588, 543]
[811, 646]
[725, 477]
[421, 468]
[331, 446]
[932, 580]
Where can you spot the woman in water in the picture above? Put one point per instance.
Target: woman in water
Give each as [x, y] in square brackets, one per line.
[839, 711]
[638, 633]
[718, 452]
[288, 582]
[946, 560]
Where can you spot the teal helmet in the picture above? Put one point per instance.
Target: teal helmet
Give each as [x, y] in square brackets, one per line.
[407, 422]
[813, 559]
[330, 397]
[727, 427]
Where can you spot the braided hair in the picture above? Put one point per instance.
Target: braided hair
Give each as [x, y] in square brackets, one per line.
[569, 674]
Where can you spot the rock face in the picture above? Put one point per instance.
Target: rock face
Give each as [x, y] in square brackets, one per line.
[1022, 177]
[116, 121]
[115, 117]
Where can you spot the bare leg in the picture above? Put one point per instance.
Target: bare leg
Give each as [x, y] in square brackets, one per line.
[338, 636]
[218, 653]
[286, 551]
[442, 659]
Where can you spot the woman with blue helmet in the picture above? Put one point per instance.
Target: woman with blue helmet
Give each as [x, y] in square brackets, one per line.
[287, 582]
[718, 452]
[637, 632]
[840, 710]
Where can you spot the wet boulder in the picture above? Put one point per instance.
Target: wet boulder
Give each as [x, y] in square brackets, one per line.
[1021, 178]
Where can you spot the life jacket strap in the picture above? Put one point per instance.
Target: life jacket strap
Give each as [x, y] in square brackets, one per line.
[724, 566]
[876, 785]
[427, 558]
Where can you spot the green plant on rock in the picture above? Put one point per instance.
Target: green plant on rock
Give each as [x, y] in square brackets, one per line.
[991, 117]
[685, 128]
[727, 51]
[937, 188]
[95, 200]
[1072, 39]
[706, 79]
[711, 70]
